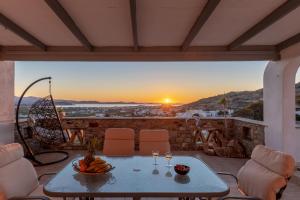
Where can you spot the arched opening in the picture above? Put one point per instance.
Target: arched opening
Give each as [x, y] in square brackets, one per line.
[297, 97]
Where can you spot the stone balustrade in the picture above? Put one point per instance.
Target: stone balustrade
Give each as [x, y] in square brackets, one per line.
[247, 132]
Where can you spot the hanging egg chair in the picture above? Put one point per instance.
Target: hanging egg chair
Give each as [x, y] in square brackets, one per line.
[44, 122]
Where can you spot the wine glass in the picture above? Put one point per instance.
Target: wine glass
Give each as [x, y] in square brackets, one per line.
[168, 157]
[155, 154]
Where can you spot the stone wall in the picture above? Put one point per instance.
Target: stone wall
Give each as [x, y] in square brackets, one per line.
[248, 132]
[180, 131]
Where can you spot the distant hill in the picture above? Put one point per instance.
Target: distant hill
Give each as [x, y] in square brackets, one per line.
[237, 100]
[254, 111]
[30, 100]
[26, 100]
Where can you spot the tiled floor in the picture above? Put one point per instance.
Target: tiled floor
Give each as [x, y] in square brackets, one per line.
[231, 165]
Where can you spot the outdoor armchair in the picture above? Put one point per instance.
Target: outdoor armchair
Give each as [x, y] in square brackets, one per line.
[18, 178]
[265, 175]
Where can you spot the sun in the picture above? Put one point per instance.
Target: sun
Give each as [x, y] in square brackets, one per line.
[167, 101]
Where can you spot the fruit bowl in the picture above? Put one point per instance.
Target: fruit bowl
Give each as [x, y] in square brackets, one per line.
[181, 169]
[97, 166]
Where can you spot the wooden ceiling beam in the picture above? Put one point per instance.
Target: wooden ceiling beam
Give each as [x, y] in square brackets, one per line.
[9, 24]
[62, 14]
[288, 42]
[277, 14]
[202, 18]
[134, 24]
[159, 53]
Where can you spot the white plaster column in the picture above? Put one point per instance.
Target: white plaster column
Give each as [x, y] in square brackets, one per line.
[279, 103]
[273, 104]
[7, 69]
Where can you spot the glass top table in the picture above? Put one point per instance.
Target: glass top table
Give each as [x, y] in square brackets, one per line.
[137, 177]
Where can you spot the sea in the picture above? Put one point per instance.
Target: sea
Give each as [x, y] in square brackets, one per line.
[106, 105]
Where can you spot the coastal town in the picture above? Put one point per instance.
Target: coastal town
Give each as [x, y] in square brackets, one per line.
[139, 111]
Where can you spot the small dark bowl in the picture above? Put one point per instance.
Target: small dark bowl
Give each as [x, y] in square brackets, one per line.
[182, 169]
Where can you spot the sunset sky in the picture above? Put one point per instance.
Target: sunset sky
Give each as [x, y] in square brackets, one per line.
[180, 82]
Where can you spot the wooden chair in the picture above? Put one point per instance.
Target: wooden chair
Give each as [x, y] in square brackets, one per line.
[265, 175]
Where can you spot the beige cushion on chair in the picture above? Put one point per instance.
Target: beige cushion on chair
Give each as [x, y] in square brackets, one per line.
[156, 139]
[119, 142]
[256, 180]
[265, 173]
[10, 153]
[17, 175]
[278, 162]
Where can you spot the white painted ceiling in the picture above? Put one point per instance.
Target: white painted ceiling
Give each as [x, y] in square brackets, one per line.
[159, 22]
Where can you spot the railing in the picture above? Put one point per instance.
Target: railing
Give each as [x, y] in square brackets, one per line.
[238, 131]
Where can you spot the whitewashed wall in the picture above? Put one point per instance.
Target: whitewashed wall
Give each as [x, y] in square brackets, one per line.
[279, 103]
[6, 102]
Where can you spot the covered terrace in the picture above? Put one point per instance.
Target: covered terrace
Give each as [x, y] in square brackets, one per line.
[160, 30]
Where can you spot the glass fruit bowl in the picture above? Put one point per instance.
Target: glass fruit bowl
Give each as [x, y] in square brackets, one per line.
[181, 169]
[98, 166]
